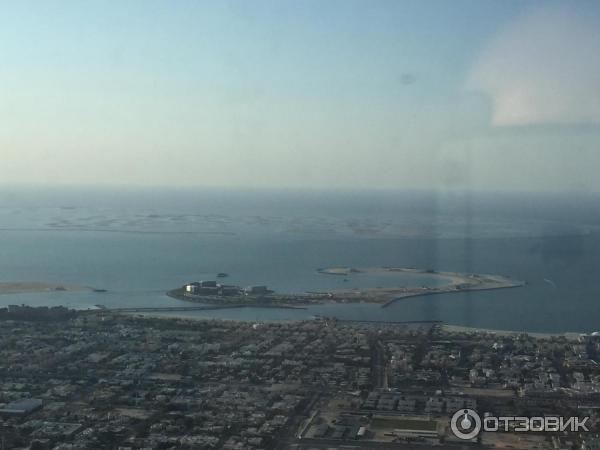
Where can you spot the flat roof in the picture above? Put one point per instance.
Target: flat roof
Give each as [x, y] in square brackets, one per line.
[22, 406]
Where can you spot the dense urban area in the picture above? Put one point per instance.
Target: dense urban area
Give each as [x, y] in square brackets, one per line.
[100, 380]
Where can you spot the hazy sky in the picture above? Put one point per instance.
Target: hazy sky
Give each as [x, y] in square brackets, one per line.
[382, 94]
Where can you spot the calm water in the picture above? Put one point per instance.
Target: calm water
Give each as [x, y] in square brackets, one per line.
[140, 243]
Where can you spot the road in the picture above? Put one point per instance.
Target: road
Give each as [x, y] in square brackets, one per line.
[379, 365]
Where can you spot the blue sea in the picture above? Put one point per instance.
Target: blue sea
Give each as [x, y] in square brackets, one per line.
[137, 243]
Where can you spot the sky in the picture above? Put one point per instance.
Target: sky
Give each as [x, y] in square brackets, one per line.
[399, 94]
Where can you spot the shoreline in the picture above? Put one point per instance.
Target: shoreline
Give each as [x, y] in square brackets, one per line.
[456, 283]
[449, 291]
[181, 315]
[33, 287]
[212, 301]
[452, 277]
[569, 335]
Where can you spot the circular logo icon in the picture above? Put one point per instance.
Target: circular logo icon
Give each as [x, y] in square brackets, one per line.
[465, 424]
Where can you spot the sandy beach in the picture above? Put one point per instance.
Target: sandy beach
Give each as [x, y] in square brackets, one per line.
[452, 278]
[38, 287]
[572, 336]
[454, 282]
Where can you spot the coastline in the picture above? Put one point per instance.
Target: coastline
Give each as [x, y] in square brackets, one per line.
[31, 287]
[569, 335]
[455, 282]
[179, 294]
[449, 328]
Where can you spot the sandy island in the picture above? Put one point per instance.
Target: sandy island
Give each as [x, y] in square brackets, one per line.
[38, 287]
[454, 282]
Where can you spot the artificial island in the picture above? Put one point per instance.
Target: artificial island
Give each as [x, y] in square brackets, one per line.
[31, 287]
[211, 292]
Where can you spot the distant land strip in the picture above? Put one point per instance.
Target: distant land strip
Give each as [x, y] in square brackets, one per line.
[454, 282]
